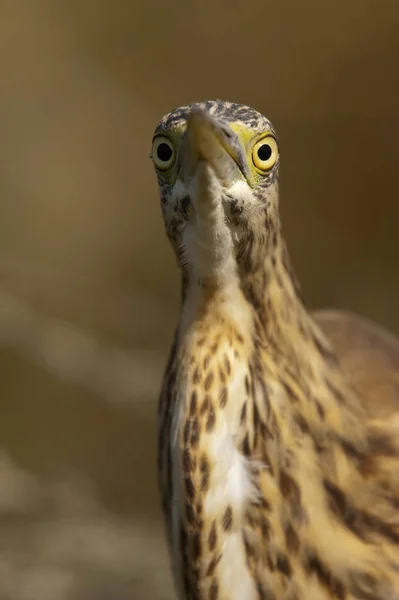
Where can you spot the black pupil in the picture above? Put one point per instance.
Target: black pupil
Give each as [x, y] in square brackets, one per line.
[164, 152]
[264, 152]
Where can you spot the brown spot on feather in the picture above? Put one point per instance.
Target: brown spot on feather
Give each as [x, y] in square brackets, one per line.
[190, 513]
[265, 528]
[208, 381]
[212, 565]
[212, 538]
[196, 546]
[210, 422]
[205, 473]
[195, 431]
[196, 376]
[223, 397]
[214, 347]
[227, 365]
[190, 489]
[193, 403]
[291, 539]
[283, 565]
[188, 463]
[205, 405]
[214, 591]
[227, 519]
[243, 416]
[186, 432]
[289, 488]
[245, 446]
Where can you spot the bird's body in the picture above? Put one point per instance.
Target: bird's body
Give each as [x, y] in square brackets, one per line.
[277, 480]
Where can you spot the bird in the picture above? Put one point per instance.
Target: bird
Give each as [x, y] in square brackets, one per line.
[278, 427]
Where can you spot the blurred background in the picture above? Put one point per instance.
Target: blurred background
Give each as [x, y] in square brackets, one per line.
[88, 286]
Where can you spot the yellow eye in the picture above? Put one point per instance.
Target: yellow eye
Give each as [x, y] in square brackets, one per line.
[265, 153]
[163, 153]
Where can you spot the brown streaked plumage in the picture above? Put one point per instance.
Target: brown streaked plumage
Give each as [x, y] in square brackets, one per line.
[278, 434]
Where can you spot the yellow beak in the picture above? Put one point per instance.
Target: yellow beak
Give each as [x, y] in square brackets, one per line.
[213, 141]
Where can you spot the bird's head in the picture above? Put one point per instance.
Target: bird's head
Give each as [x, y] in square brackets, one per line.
[217, 160]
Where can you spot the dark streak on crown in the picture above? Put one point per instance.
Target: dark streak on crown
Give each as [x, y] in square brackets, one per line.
[228, 111]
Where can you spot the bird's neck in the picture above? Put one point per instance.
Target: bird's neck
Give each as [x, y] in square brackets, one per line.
[251, 409]
[259, 281]
[271, 288]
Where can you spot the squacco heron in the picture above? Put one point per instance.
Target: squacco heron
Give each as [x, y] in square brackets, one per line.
[278, 442]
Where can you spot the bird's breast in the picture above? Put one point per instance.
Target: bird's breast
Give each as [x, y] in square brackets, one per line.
[211, 471]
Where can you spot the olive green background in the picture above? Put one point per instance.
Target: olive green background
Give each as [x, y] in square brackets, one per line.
[88, 286]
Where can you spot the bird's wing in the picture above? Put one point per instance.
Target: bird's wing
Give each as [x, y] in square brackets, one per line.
[369, 356]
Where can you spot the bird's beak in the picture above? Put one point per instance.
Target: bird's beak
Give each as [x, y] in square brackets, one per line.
[212, 141]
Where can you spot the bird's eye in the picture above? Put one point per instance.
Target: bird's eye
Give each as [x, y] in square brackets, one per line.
[264, 153]
[163, 153]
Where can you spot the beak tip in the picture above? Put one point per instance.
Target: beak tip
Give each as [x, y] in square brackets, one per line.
[197, 119]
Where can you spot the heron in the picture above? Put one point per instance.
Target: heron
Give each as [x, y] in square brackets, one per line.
[278, 434]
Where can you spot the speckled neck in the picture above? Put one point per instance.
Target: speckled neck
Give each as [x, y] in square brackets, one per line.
[264, 459]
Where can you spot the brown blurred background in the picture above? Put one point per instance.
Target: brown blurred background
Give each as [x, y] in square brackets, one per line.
[88, 286]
